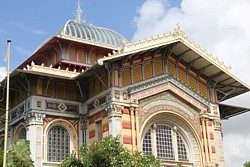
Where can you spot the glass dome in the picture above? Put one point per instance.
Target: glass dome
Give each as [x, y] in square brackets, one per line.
[93, 33]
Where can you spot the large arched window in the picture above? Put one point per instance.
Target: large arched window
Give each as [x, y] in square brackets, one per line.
[58, 144]
[165, 142]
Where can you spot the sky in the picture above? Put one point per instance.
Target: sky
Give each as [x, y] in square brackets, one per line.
[221, 27]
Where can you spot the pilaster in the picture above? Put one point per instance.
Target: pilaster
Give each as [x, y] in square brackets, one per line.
[83, 130]
[34, 124]
[115, 119]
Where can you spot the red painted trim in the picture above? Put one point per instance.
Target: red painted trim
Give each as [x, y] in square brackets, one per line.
[210, 123]
[126, 125]
[211, 135]
[91, 119]
[98, 115]
[105, 127]
[104, 114]
[127, 140]
[92, 134]
[125, 111]
[213, 149]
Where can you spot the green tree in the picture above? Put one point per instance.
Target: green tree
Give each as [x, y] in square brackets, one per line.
[1, 157]
[19, 155]
[110, 153]
[247, 164]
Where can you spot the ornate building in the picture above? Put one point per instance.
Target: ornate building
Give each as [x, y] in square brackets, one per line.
[161, 95]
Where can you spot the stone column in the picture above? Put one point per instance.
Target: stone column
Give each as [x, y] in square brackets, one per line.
[138, 137]
[34, 124]
[174, 140]
[115, 119]
[132, 118]
[153, 138]
[204, 132]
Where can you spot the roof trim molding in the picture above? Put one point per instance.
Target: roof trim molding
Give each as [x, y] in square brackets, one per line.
[178, 35]
[41, 69]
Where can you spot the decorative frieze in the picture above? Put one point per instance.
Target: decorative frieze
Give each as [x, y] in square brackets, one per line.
[165, 79]
[17, 112]
[62, 107]
[168, 102]
[97, 102]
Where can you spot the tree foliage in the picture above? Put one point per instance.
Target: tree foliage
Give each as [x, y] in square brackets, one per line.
[247, 164]
[19, 155]
[109, 153]
[1, 157]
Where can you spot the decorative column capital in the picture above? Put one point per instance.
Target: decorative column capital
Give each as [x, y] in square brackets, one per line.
[83, 122]
[34, 118]
[114, 110]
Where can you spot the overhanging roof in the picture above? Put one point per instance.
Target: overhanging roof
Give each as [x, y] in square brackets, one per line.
[205, 64]
[227, 111]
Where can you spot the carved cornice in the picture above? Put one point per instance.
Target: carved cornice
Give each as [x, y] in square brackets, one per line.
[34, 118]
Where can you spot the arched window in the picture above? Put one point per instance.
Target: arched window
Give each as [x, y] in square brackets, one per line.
[58, 144]
[168, 142]
[22, 134]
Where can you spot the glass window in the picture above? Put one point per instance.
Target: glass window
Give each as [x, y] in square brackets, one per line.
[165, 144]
[182, 152]
[58, 144]
[22, 134]
[147, 147]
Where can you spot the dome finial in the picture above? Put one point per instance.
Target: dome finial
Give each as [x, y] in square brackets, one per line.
[79, 13]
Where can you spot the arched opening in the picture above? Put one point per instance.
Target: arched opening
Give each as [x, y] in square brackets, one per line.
[58, 144]
[20, 133]
[169, 138]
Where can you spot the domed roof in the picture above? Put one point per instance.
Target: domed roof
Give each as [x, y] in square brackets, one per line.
[93, 33]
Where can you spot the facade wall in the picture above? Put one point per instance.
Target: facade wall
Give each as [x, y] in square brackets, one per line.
[129, 98]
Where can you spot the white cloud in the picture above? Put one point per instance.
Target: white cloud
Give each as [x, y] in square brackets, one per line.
[3, 73]
[221, 27]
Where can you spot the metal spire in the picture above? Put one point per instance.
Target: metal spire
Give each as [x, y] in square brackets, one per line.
[79, 13]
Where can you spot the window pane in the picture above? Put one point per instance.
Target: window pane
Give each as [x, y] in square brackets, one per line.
[58, 144]
[147, 146]
[164, 142]
[22, 134]
[182, 152]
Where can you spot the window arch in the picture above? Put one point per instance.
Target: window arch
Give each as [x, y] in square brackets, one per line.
[165, 142]
[58, 143]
